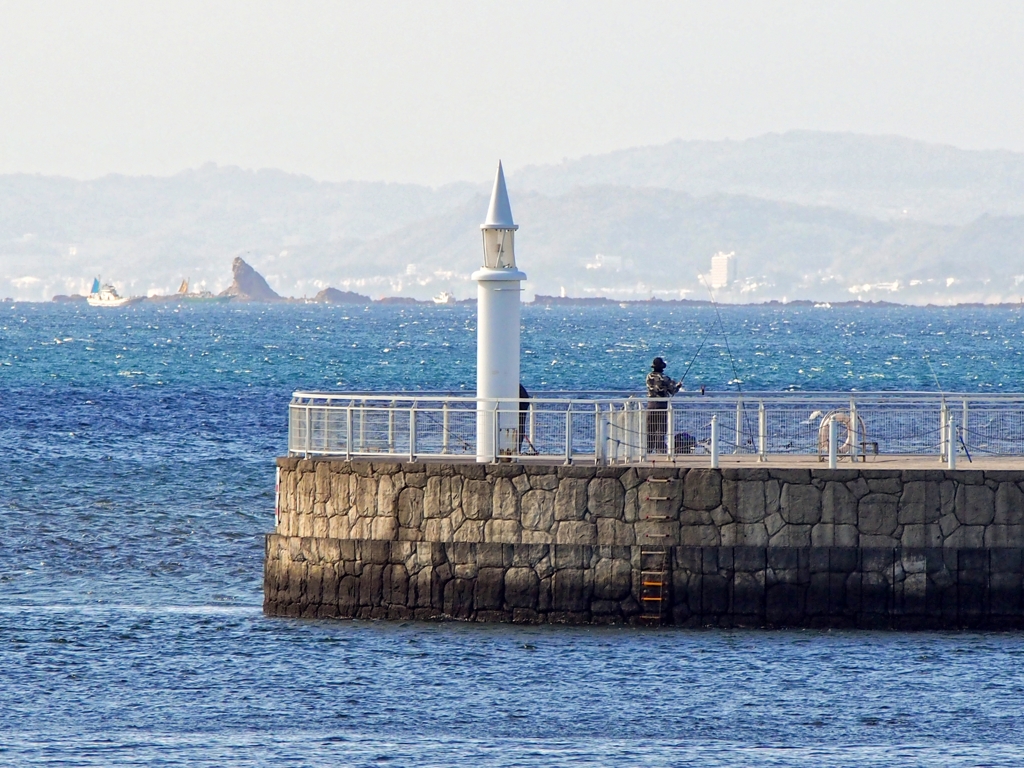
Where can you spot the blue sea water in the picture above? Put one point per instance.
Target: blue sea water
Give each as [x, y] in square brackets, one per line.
[136, 482]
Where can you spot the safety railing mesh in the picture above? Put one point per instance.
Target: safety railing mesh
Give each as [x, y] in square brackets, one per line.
[629, 429]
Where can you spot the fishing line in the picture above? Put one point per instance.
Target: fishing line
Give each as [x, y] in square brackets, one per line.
[699, 348]
[938, 385]
[728, 349]
[960, 429]
[725, 336]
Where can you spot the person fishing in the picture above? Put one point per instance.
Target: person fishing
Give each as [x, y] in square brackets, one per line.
[659, 388]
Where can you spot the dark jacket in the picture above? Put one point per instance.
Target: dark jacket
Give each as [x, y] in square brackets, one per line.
[659, 385]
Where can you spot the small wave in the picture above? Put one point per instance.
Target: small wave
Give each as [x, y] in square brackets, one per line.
[129, 608]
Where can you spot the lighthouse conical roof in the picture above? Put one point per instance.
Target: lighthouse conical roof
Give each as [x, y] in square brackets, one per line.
[499, 213]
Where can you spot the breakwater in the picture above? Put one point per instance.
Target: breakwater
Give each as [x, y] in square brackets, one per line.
[745, 546]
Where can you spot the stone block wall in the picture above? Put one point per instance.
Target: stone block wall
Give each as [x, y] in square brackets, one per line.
[751, 546]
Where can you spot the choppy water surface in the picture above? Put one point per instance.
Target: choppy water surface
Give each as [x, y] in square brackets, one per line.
[136, 483]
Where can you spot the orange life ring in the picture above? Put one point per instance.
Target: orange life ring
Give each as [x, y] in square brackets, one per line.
[843, 419]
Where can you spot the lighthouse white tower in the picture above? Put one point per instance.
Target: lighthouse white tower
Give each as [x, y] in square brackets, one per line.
[499, 283]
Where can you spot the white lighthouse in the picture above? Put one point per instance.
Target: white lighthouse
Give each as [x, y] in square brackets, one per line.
[499, 283]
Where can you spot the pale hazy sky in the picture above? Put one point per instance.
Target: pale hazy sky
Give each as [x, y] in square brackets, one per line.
[433, 92]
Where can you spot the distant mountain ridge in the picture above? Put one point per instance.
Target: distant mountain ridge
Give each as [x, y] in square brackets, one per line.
[639, 243]
[878, 176]
[809, 216]
[147, 233]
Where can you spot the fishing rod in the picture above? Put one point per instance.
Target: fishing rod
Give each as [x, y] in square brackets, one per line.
[728, 349]
[699, 348]
[938, 385]
[725, 336]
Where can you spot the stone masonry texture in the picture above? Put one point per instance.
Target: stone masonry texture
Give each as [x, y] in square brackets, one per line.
[744, 547]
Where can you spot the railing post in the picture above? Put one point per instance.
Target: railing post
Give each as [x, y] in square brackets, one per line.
[641, 432]
[943, 430]
[598, 435]
[412, 432]
[951, 439]
[608, 430]
[636, 432]
[294, 424]
[963, 423]
[362, 426]
[391, 426]
[670, 429]
[348, 432]
[568, 434]
[855, 437]
[622, 441]
[496, 417]
[738, 445]
[714, 441]
[445, 427]
[762, 432]
[309, 431]
[533, 421]
[833, 443]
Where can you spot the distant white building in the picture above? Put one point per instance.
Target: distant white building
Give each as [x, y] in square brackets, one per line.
[723, 269]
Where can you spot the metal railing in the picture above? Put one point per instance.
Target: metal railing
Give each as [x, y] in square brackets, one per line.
[607, 428]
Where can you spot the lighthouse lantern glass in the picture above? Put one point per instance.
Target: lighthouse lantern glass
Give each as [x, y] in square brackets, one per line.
[499, 249]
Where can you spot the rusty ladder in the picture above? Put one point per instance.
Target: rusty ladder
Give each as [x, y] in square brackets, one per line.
[653, 584]
[654, 570]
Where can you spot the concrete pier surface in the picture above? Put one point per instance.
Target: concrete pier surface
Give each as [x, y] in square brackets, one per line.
[886, 543]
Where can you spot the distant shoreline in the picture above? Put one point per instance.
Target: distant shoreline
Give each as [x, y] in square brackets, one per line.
[604, 301]
[566, 301]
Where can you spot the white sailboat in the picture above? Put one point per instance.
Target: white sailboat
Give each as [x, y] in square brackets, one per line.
[107, 296]
[444, 298]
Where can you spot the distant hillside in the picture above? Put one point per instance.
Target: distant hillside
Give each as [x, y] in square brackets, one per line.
[808, 215]
[880, 176]
[630, 243]
[147, 233]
